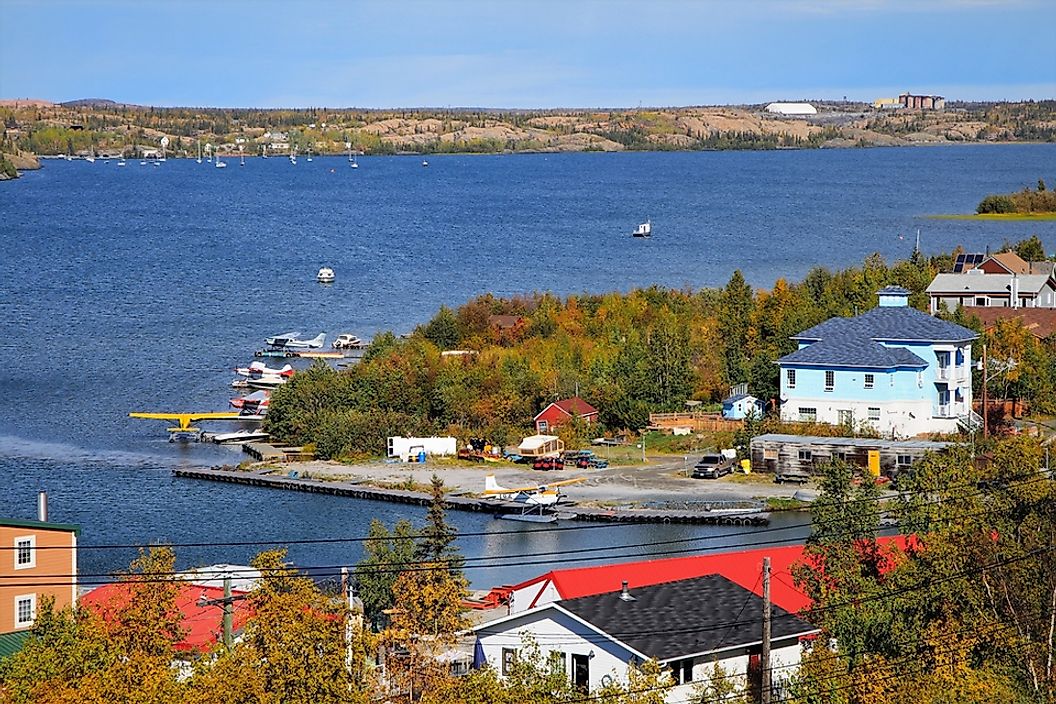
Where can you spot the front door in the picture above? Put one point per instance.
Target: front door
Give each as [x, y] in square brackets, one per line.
[581, 673]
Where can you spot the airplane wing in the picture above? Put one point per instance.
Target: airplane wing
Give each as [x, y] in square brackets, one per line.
[539, 488]
[185, 419]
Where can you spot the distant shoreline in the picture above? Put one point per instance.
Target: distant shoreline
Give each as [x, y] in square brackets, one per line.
[1007, 217]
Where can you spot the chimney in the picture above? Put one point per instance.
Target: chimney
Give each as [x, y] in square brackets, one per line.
[42, 507]
[625, 593]
[1014, 292]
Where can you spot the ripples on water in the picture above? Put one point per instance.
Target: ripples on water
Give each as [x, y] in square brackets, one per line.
[140, 288]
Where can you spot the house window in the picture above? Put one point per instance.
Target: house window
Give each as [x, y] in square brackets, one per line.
[808, 415]
[25, 610]
[869, 381]
[790, 376]
[806, 456]
[874, 414]
[904, 460]
[557, 662]
[544, 426]
[509, 659]
[682, 671]
[25, 552]
[845, 417]
[982, 301]
[830, 380]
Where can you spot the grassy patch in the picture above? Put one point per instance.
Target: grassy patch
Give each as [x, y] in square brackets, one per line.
[785, 503]
[1006, 217]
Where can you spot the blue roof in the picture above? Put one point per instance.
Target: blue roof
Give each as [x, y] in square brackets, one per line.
[894, 291]
[895, 323]
[855, 342]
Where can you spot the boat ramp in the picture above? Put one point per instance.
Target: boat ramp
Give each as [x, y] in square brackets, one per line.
[294, 481]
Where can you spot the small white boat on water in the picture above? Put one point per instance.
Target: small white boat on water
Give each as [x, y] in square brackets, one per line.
[238, 436]
[90, 159]
[120, 162]
[354, 164]
[425, 163]
[326, 275]
[219, 163]
[644, 230]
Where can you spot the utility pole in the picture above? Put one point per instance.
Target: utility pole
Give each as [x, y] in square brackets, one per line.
[764, 659]
[986, 400]
[227, 604]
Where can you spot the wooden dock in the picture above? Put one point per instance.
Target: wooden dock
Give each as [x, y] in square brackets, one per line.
[292, 481]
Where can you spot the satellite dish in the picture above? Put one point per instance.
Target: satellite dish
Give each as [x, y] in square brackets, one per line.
[164, 141]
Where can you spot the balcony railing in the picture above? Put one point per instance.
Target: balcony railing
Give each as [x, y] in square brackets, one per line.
[951, 373]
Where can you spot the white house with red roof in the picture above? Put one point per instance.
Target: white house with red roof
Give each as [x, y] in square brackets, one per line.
[561, 412]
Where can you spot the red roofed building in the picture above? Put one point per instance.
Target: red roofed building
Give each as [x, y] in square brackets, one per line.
[742, 568]
[560, 412]
[202, 625]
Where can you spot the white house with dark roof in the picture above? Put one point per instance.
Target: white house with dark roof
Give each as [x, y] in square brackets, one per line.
[687, 625]
[900, 370]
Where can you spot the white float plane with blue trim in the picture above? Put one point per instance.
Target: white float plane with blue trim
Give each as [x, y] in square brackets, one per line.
[292, 340]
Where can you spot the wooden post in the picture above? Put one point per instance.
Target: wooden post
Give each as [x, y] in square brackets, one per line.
[229, 609]
[986, 400]
[764, 660]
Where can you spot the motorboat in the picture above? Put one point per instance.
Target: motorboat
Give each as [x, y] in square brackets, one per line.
[120, 162]
[425, 163]
[347, 341]
[644, 230]
[354, 164]
[238, 436]
[219, 163]
[326, 275]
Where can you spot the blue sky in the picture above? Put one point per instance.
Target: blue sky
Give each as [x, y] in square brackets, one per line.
[543, 53]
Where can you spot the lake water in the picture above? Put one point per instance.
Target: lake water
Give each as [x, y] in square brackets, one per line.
[139, 288]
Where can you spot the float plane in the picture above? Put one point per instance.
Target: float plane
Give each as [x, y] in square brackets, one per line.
[533, 500]
[184, 430]
[292, 340]
[260, 369]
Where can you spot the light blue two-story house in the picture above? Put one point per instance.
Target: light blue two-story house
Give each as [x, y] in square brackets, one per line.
[898, 369]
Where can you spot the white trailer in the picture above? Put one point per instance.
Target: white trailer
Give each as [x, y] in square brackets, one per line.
[409, 448]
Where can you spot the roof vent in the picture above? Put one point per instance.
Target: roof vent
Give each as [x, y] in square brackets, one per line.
[625, 593]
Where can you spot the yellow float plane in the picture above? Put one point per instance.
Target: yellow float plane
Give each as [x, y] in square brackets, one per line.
[533, 500]
[184, 431]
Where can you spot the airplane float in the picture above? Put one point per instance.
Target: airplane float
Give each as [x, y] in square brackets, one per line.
[184, 430]
[292, 340]
[532, 499]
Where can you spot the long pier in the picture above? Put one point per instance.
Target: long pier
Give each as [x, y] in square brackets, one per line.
[294, 482]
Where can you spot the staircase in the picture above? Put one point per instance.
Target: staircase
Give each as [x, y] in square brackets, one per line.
[971, 422]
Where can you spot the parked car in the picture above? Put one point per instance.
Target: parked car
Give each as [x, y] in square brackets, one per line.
[712, 467]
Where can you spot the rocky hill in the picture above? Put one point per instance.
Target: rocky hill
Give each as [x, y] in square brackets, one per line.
[104, 126]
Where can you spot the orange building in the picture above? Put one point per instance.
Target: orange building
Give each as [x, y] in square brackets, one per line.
[38, 559]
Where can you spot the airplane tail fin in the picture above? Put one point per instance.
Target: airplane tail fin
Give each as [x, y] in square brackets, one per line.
[319, 340]
[286, 370]
[490, 484]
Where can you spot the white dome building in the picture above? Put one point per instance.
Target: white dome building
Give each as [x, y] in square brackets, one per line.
[792, 108]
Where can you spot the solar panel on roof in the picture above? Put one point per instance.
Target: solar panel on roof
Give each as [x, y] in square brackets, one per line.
[967, 261]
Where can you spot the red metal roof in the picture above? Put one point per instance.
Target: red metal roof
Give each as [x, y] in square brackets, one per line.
[743, 568]
[203, 625]
[574, 406]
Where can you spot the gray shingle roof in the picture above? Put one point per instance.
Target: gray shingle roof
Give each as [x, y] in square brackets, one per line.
[894, 323]
[854, 342]
[840, 351]
[738, 397]
[676, 619]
